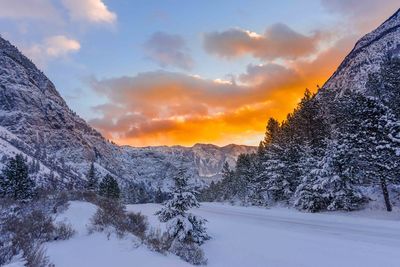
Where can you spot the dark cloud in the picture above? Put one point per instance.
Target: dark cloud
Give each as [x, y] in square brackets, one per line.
[168, 50]
[278, 41]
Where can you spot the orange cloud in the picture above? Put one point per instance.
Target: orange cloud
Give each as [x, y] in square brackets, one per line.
[278, 41]
[168, 108]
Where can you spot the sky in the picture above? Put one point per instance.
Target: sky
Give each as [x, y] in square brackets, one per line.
[172, 72]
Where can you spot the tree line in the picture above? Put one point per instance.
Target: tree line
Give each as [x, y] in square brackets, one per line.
[327, 152]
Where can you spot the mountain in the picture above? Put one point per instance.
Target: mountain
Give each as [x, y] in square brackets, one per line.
[36, 121]
[367, 57]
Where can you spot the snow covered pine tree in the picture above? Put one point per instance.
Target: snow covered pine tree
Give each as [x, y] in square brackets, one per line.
[92, 181]
[186, 230]
[15, 181]
[109, 187]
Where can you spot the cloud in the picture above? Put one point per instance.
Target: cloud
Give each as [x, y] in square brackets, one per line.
[365, 15]
[169, 108]
[52, 47]
[276, 42]
[94, 11]
[33, 9]
[168, 50]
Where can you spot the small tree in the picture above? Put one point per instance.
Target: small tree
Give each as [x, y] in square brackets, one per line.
[183, 226]
[109, 187]
[15, 181]
[92, 181]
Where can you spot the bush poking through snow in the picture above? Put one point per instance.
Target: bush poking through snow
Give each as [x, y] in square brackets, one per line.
[112, 213]
[137, 224]
[189, 252]
[109, 214]
[25, 226]
[63, 231]
[61, 202]
[36, 257]
[157, 241]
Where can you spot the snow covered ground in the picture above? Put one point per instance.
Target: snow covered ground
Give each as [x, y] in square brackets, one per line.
[247, 236]
[244, 236]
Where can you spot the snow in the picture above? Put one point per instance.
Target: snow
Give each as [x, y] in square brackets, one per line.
[248, 236]
[244, 236]
[99, 249]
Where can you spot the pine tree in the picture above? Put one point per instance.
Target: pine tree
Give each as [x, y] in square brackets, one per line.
[227, 185]
[159, 196]
[336, 179]
[183, 226]
[371, 130]
[109, 187]
[91, 178]
[15, 180]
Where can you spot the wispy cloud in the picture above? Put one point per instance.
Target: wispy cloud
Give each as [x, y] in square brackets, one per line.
[33, 9]
[51, 48]
[168, 50]
[365, 14]
[93, 11]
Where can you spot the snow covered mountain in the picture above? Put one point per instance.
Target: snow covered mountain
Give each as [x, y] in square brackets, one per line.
[367, 56]
[37, 122]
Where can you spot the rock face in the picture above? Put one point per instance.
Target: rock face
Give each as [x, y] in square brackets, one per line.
[367, 56]
[36, 121]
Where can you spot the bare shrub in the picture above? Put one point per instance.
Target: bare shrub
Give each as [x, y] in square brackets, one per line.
[22, 231]
[90, 196]
[63, 231]
[137, 224]
[27, 230]
[110, 213]
[61, 202]
[157, 241]
[36, 257]
[189, 252]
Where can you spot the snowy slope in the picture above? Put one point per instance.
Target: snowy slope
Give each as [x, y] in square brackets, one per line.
[367, 56]
[244, 236]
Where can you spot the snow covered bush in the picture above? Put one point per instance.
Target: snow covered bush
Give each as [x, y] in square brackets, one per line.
[23, 230]
[137, 224]
[157, 241]
[36, 257]
[112, 213]
[190, 252]
[63, 231]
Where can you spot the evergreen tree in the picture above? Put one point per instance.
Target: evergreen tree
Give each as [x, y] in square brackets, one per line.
[227, 185]
[183, 226]
[15, 181]
[330, 185]
[159, 196]
[370, 131]
[109, 187]
[91, 178]
[272, 131]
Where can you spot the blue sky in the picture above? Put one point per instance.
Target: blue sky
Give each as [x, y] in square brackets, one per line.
[89, 44]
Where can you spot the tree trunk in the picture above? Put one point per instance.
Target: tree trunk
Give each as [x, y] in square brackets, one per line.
[385, 193]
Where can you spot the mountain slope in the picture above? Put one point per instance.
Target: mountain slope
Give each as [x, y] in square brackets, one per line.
[367, 56]
[32, 110]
